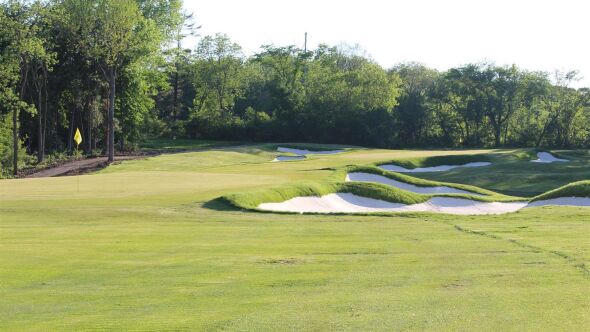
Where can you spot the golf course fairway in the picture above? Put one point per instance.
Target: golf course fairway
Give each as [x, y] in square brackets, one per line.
[148, 244]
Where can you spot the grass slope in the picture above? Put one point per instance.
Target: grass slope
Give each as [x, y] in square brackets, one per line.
[575, 189]
[424, 183]
[411, 163]
[251, 200]
[335, 183]
[512, 173]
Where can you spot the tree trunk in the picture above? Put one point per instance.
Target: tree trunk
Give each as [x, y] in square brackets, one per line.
[111, 115]
[45, 112]
[175, 99]
[497, 135]
[71, 136]
[542, 135]
[40, 154]
[15, 141]
[89, 126]
[24, 75]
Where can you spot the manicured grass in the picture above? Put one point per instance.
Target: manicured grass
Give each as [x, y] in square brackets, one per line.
[431, 161]
[335, 183]
[315, 146]
[424, 183]
[164, 144]
[251, 199]
[575, 189]
[512, 173]
[143, 246]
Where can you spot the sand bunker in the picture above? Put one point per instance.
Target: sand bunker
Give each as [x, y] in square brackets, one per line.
[441, 168]
[301, 152]
[368, 177]
[350, 203]
[546, 157]
[288, 158]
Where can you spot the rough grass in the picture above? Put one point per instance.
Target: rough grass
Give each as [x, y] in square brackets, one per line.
[575, 189]
[165, 144]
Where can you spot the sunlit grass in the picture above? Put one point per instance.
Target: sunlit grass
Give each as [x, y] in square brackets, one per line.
[141, 246]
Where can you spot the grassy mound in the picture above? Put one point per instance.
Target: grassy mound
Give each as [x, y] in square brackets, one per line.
[490, 195]
[412, 180]
[438, 160]
[251, 200]
[574, 189]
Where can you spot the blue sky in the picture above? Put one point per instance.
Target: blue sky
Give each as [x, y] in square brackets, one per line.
[536, 35]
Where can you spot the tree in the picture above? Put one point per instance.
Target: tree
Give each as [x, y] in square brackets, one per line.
[503, 89]
[180, 58]
[414, 115]
[111, 33]
[23, 46]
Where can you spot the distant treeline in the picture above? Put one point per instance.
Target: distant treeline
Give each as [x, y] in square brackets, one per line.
[116, 70]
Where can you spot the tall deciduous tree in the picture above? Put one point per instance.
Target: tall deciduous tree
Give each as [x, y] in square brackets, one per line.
[112, 33]
[24, 46]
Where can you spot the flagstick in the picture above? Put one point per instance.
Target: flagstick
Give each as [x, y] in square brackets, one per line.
[78, 174]
[78, 140]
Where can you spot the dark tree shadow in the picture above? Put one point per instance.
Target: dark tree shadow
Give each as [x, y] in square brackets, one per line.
[219, 204]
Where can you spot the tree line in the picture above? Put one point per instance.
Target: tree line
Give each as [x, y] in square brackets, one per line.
[117, 70]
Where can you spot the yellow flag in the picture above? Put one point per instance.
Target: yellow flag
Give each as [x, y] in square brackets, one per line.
[78, 137]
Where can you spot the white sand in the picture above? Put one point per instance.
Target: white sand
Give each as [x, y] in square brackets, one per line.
[301, 152]
[441, 168]
[338, 202]
[288, 158]
[546, 157]
[563, 201]
[368, 177]
[350, 203]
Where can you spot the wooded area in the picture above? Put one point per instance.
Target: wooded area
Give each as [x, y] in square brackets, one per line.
[116, 69]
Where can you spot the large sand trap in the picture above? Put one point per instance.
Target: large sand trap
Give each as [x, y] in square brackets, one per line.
[546, 157]
[288, 158]
[368, 177]
[441, 168]
[350, 203]
[301, 152]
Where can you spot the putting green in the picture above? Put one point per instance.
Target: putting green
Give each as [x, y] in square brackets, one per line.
[144, 245]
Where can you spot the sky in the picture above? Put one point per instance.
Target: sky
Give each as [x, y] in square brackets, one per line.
[534, 35]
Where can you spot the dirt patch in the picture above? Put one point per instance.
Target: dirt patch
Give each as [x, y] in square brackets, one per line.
[82, 166]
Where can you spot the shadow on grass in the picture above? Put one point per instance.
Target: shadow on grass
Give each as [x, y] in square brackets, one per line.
[219, 204]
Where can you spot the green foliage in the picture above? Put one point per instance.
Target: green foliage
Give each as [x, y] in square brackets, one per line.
[139, 86]
[6, 149]
[106, 30]
[60, 59]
